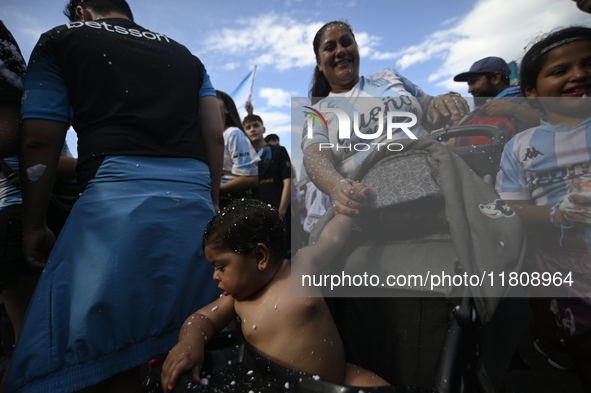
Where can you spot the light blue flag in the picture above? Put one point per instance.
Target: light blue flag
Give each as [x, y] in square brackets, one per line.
[243, 91]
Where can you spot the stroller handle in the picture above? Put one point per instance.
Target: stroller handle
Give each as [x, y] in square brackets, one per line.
[495, 134]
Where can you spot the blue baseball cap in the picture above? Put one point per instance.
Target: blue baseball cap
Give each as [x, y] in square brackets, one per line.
[486, 65]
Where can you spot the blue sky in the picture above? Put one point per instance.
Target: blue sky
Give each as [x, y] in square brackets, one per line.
[428, 41]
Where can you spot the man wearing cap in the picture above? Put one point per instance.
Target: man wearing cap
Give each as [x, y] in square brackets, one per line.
[495, 98]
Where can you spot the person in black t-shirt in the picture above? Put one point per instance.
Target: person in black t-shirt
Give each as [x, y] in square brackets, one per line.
[128, 267]
[274, 167]
[272, 139]
[274, 170]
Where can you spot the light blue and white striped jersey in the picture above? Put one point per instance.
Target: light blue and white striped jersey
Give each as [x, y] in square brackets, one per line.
[240, 158]
[539, 164]
[382, 92]
[9, 194]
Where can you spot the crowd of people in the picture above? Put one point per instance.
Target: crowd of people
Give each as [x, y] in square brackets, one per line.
[184, 217]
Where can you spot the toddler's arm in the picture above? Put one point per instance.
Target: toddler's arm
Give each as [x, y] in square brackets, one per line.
[195, 333]
[331, 240]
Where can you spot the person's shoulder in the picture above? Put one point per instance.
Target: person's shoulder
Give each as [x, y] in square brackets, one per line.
[387, 72]
[511, 92]
[12, 68]
[10, 53]
[59, 33]
[391, 77]
[236, 133]
[521, 138]
[72, 26]
[5, 34]
[276, 149]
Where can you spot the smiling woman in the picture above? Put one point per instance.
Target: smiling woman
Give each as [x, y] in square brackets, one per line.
[384, 99]
[337, 84]
[337, 57]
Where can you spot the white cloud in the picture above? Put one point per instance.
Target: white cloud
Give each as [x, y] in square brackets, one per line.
[274, 119]
[277, 41]
[492, 28]
[231, 66]
[449, 21]
[276, 97]
[500, 28]
[277, 123]
[270, 39]
[366, 43]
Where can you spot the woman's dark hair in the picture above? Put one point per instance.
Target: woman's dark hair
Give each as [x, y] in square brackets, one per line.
[534, 59]
[319, 87]
[101, 7]
[232, 117]
[241, 225]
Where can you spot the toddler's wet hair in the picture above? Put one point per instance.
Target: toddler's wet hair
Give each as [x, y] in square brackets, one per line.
[244, 223]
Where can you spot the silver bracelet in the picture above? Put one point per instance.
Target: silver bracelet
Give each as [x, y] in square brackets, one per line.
[562, 228]
[552, 214]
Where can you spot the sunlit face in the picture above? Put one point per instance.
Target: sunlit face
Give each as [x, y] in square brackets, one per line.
[566, 74]
[584, 5]
[481, 88]
[236, 274]
[338, 58]
[254, 130]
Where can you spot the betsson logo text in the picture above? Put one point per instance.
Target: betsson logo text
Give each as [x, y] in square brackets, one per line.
[118, 29]
[344, 131]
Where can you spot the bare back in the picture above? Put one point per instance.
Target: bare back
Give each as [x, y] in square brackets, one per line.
[295, 332]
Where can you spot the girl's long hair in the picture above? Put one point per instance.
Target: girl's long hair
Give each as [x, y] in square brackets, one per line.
[232, 117]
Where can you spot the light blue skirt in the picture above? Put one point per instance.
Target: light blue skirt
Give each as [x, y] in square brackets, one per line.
[126, 272]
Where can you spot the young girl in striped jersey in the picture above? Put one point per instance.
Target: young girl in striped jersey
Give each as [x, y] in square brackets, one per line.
[541, 172]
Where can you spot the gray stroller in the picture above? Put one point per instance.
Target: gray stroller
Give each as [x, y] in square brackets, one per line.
[433, 210]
